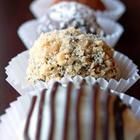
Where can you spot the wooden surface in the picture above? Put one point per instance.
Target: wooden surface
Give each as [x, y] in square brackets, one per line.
[15, 12]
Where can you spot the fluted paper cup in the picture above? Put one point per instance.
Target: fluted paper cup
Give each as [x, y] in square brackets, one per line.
[114, 8]
[28, 32]
[16, 75]
[13, 121]
[13, 118]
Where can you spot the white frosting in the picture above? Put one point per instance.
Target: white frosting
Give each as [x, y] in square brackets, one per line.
[86, 108]
[60, 109]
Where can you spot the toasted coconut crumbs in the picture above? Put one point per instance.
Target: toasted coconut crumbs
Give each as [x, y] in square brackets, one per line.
[70, 52]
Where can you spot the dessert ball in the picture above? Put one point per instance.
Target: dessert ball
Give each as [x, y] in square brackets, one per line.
[70, 14]
[86, 113]
[70, 52]
[95, 4]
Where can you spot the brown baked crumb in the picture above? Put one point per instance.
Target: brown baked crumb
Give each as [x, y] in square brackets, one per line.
[70, 52]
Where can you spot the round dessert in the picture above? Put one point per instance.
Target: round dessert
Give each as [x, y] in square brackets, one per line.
[95, 4]
[68, 53]
[70, 14]
[86, 113]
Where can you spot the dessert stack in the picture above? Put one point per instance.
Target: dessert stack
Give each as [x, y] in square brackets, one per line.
[71, 77]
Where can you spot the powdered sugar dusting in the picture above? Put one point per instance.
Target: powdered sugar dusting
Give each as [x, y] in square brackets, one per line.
[66, 14]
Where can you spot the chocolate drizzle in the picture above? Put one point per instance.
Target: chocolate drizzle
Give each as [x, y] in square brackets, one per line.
[67, 110]
[118, 111]
[26, 134]
[40, 113]
[52, 110]
[107, 122]
[95, 92]
[113, 105]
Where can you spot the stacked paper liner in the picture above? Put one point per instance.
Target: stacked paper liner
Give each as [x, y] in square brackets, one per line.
[115, 8]
[128, 75]
[28, 32]
[12, 123]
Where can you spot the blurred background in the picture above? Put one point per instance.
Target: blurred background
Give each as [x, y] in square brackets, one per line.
[14, 12]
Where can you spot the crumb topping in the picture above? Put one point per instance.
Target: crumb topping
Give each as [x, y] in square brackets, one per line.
[70, 52]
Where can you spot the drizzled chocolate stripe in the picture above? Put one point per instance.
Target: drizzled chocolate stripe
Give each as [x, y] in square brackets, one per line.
[52, 110]
[78, 105]
[107, 122]
[26, 135]
[95, 92]
[40, 113]
[119, 108]
[67, 111]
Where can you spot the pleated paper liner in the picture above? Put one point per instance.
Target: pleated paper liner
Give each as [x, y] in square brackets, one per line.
[16, 75]
[28, 31]
[13, 121]
[114, 8]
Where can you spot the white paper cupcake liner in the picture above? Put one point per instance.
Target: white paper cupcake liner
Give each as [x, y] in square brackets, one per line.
[12, 122]
[115, 8]
[28, 31]
[16, 75]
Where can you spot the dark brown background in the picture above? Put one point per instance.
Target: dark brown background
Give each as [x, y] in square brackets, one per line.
[15, 12]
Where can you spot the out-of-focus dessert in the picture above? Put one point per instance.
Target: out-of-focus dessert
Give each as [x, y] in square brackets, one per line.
[70, 14]
[95, 4]
[86, 113]
[70, 52]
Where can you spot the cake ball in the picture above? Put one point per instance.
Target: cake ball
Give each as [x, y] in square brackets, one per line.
[68, 53]
[95, 4]
[70, 14]
[85, 113]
